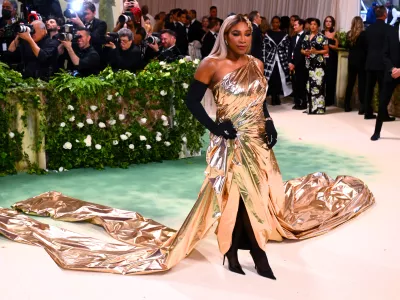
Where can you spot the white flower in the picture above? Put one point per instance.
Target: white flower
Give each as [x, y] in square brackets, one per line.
[185, 85]
[163, 93]
[116, 94]
[115, 143]
[67, 146]
[158, 134]
[167, 74]
[72, 119]
[131, 146]
[163, 63]
[80, 124]
[77, 141]
[109, 97]
[181, 61]
[167, 144]
[158, 139]
[123, 137]
[102, 125]
[62, 124]
[11, 134]
[88, 141]
[148, 147]
[165, 123]
[143, 138]
[128, 134]
[70, 107]
[143, 120]
[196, 61]
[98, 147]
[61, 169]
[121, 117]
[184, 139]
[89, 121]
[164, 118]
[93, 107]
[175, 123]
[112, 122]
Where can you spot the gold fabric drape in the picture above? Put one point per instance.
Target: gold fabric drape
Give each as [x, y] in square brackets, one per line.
[243, 168]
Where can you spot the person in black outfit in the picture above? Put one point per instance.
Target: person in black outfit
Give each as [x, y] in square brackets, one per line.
[297, 66]
[181, 34]
[196, 31]
[375, 39]
[84, 59]
[38, 52]
[7, 34]
[168, 51]
[126, 55]
[356, 66]
[210, 37]
[391, 58]
[389, 6]
[256, 43]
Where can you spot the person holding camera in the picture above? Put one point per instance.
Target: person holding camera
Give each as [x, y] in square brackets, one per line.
[84, 59]
[37, 51]
[7, 34]
[53, 26]
[124, 54]
[168, 51]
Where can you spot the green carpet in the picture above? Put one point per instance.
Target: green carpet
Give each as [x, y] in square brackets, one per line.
[166, 191]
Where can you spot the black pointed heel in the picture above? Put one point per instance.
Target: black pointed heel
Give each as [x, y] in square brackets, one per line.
[233, 265]
[262, 265]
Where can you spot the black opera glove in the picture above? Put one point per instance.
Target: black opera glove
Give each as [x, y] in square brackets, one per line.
[271, 135]
[226, 130]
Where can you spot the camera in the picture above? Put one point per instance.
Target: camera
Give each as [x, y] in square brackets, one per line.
[70, 13]
[153, 39]
[112, 37]
[67, 33]
[21, 28]
[33, 16]
[125, 17]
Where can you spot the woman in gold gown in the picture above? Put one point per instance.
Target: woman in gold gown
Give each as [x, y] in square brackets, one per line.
[243, 189]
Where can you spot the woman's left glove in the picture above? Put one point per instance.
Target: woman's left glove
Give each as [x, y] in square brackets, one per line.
[271, 135]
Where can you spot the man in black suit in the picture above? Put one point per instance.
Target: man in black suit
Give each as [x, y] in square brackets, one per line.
[210, 37]
[169, 52]
[297, 66]
[196, 32]
[391, 59]
[181, 34]
[375, 38]
[256, 43]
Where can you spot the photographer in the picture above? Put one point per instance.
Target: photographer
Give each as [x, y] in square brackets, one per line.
[168, 52]
[97, 28]
[125, 55]
[53, 26]
[83, 59]
[7, 35]
[37, 51]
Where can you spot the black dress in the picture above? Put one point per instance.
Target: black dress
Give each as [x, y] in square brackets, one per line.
[331, 73]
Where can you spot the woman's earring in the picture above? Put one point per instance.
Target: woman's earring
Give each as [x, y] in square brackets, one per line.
[226, 43]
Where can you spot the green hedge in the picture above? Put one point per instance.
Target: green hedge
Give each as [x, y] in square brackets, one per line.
[114, 119]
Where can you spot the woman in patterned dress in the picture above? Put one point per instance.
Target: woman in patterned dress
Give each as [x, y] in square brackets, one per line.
[314, 47]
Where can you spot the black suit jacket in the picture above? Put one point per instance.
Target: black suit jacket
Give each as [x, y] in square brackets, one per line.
[208, 44]
[391, 52]
[358, 52]
[256, 43]
[297, 59]
[196, 32]
[98, 30]
[375, 39]
[181, 38]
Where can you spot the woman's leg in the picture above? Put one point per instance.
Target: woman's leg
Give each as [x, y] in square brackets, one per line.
[351, 81]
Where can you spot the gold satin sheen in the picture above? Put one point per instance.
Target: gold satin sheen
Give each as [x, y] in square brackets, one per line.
[241, 168]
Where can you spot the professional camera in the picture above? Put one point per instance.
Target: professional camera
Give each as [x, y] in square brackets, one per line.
[152, 40]
[112, 37]
[34, 16]
[21, 28]
[67, 33]
[125, 17]
[69, 13]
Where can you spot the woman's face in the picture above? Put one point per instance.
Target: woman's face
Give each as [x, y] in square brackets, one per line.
[205, 23]
[275, 24]
[239, 38]
[328, 23]
[314, 27]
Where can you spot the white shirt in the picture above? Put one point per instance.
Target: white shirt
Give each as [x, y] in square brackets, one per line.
[298, 36]
[395, 14]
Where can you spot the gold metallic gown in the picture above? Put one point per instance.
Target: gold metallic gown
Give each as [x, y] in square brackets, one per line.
[241, 168]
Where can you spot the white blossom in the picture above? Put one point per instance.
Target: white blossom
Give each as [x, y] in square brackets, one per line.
[167, 144]
[67, 146]
[143, 120]
[158, 133]
[98, 147]
[158, 139]
[181, 61]
[165, 123]
[116, 94]
[162, 63]
[131, 146]
[112, 122]
[163, 93]
[184, 139]
[143, 138]
[102, 125]
[109, 97]
[80, 125]
[121, 117]
[128, 134]
[72, 119]
[196, 61]
[88, 141]
[89, 121]
[185, 85]
[167, 74]
[70, 107]
[61, 169]
[115, 143]
[148, 147]
[11, 134]
[77, 141]
[93, 107]
[123, 137]
[164, 118]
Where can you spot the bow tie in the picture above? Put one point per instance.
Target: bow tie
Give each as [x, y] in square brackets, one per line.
[298, 34]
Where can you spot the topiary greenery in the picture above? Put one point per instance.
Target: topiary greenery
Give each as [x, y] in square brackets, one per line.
[116, 118]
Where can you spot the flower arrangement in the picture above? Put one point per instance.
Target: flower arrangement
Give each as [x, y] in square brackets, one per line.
[343, 40]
